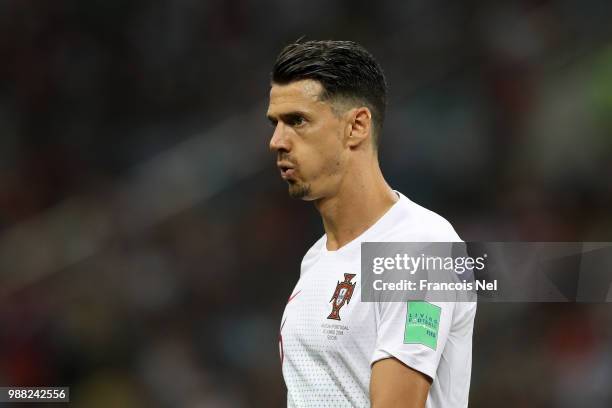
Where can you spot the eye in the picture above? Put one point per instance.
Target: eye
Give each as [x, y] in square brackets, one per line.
[296, 121]
[272, 122]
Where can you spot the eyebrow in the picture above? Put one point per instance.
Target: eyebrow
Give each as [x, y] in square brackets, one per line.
[286, 116]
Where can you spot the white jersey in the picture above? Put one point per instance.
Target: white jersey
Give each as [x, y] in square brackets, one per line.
[327, 352]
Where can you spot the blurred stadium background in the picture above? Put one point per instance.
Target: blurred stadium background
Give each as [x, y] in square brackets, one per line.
[147, 244]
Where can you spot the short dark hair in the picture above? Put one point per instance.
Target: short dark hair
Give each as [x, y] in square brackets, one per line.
[345, 69]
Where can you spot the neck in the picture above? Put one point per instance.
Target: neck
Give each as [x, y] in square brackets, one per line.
[362, 199]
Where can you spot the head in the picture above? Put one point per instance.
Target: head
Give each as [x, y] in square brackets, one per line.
[327, 106]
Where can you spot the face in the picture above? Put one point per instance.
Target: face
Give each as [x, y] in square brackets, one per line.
[309, 139]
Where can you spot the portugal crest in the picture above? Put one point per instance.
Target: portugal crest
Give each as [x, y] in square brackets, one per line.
[342, 295]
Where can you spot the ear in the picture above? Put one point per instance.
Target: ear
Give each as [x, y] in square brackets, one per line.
[360, 126]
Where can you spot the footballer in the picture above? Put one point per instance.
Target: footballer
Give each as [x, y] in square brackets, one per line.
[327, 107]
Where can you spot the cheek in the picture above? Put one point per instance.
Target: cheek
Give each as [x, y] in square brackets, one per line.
[330, 159]
[324, 155]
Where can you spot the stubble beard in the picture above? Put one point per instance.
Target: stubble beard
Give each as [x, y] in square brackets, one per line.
[298, 190]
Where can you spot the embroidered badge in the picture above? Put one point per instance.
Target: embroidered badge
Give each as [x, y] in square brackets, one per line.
[342, 295]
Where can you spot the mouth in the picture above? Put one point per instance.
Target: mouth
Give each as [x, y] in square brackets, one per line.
[287, 170]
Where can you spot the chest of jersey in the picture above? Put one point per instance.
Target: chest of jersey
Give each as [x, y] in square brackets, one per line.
[325, 306]
[327, 333]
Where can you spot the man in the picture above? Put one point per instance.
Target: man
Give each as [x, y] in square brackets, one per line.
[327, 106]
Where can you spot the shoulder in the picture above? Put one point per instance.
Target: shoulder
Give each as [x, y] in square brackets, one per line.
[416, 223]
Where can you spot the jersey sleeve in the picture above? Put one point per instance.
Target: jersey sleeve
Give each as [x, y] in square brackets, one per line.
[413, 332]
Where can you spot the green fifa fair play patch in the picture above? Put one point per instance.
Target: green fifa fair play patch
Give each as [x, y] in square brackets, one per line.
[422, 324]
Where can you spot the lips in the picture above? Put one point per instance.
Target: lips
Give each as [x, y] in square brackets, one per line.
[287, 170]
[287, 174]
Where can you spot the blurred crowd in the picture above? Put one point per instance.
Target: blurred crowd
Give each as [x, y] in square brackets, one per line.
[147, 243]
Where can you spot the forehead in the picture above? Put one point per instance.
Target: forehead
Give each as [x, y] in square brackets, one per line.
[303, 94]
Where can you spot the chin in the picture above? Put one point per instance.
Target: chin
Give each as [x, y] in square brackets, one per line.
[299, 191]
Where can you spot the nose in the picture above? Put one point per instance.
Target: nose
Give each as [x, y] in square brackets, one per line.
[280, 141]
